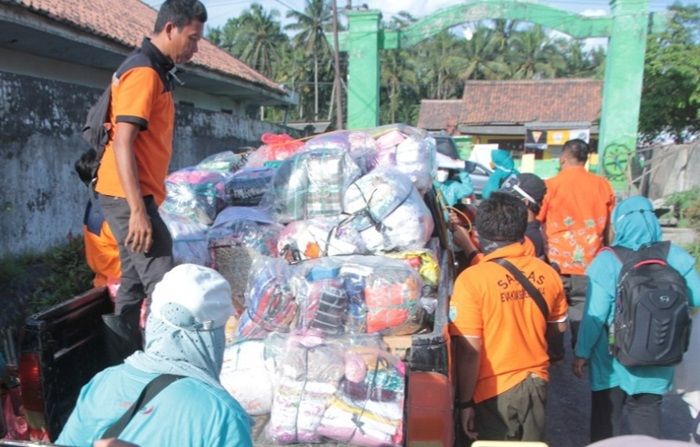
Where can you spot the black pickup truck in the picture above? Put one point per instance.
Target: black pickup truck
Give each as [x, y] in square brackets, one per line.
[64, 347]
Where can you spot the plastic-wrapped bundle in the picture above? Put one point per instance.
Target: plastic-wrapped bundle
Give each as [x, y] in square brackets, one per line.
[410, 150]
[189, 239]
[311, 184]
[248, 186]
[383, 295]
[367, 410]
[248, 376]
[322, 302]
[322, 236]
[360, 145]
[269, 301]
[389, 212]
[309, 372]
[238, 235]
[226, 161]
[194, 194]
[275, 147]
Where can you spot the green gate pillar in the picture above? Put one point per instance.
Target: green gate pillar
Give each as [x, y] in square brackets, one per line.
[363, 76]
[624, 72]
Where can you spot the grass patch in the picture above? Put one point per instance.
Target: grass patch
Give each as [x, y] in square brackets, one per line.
[35, 282]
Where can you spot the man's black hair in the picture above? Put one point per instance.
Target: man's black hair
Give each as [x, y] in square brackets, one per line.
[501, 218]
[578, 148]
[180, 12]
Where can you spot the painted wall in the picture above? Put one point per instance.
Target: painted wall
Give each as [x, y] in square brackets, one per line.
[674, 168]
[41, 199]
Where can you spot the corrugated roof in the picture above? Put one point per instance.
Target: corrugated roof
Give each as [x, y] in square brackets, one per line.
[567, 100]
[128, 21]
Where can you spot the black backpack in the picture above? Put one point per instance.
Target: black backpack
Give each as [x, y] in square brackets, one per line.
[96, 133]
[652, 316]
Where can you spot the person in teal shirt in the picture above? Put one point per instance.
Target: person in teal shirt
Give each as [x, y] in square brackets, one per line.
[185, 337]
[503, 167]
[614, 386]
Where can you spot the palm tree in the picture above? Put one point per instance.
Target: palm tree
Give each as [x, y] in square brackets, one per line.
[484, 55]
[255, 37]
[534, 55]
[311, 36]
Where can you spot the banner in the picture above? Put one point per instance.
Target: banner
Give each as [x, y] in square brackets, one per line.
[559, 137]
[536, 139]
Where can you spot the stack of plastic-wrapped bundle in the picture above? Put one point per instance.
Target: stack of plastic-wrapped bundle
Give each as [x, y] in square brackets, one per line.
[326, 246]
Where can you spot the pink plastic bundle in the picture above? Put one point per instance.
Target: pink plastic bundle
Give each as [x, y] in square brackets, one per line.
[276, 147]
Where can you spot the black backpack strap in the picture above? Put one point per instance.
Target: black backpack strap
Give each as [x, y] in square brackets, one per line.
[629, 258]
[527, 285]
[150, 391]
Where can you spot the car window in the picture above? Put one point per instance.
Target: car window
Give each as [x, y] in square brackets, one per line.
[480, 170]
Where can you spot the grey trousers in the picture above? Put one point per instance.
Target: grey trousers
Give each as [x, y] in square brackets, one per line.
[516, 415]
[576, 288]
[140, 271]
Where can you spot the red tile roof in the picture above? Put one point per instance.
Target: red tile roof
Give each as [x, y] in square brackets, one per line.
[435, 113]
[560, 100]
[128, 21]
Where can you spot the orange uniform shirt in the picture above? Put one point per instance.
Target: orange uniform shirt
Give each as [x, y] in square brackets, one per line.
[140, 97]
[575, 214]
[489, 303]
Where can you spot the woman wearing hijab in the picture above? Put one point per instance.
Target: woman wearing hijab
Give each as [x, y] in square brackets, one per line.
[184, 337]
[503, 167]
[615, 386]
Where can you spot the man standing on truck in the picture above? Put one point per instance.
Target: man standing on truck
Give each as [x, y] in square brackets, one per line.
[185, 340]
[499, 328]
[131, 177]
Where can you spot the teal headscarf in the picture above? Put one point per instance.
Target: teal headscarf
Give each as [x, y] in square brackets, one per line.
[635, 223]
[504, 168]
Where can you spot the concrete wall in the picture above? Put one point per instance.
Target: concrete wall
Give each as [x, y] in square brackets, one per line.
[674, 168]
[42, 200]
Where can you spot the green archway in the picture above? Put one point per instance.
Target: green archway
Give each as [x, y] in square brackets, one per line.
[626, 28]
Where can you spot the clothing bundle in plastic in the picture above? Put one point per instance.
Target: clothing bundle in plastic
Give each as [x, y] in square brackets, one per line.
[194, 194]
[226, 161]
[389, 212]
[189, 239]
[360, 145]
[346, 390]
[311, 184]
[322, 236]
[239, 235]
[276, 147]
[248, 186]
[410, 150]
[248, 376]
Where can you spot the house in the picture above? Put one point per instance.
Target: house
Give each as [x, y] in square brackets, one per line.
[56, 56]
[524, 116]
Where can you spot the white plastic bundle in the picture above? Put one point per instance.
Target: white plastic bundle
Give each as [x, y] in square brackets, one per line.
[389, 212]
[410, 150]
[189, 239]
[248, 376]
[322, 236]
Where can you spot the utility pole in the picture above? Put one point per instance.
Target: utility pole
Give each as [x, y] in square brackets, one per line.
[336, 63]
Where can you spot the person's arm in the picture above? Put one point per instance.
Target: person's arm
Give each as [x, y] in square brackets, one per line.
[138, 238]
[595, 316]
[608, 232]
[468, 354]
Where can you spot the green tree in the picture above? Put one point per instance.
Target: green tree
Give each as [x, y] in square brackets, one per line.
[534, 55]
[485, 53]
[255, 37]
[671, 90]
[311, 36]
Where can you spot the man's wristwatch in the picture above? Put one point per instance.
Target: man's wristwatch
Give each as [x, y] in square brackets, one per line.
[463, 405]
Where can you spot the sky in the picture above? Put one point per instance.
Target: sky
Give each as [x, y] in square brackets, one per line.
[221, 10]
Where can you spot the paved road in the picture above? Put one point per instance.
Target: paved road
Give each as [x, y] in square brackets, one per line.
[569, 405]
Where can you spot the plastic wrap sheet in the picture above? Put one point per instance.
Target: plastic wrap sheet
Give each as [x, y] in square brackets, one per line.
[194, 194]
[360, 145]
[269, 302]
[311, 184]
[426, 264]
[189, 239]
[248, 376]
[410, 150]
[275, 147]
[226, 161]
[322, 236]
[389, 212]
[248, 186]
[238, 236]
[342, 389]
